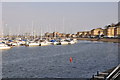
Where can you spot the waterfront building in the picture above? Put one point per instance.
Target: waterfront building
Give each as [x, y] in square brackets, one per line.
[97, 32]
[55, 34]
[118, 31]
[86, 33]
[48, 34]
[111, 31]
[105, 32]
[68, 35]
[73, 35]
[79, 34]
[62, 35]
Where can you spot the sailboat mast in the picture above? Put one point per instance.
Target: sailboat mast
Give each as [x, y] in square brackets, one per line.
[55, 31]
[2, 34]
[63, 24]
[5, 30]
[40, 32]
[32, 30]
[19, 30]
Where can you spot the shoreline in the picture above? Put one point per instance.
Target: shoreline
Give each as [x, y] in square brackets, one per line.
[102, 39]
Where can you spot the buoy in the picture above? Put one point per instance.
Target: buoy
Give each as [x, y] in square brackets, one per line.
[71, 59]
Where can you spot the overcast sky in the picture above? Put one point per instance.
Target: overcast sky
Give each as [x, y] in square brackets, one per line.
[68, 17]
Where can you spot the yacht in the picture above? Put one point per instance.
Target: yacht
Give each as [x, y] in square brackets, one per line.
[32, 44]
[73, 41]
[54, 42]
[45, 43]
[4, 46]
[64, 42]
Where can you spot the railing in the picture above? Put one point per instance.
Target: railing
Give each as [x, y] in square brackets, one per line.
[114, 73]
[107, 75]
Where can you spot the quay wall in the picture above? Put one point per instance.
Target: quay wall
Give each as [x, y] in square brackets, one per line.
[102, 39]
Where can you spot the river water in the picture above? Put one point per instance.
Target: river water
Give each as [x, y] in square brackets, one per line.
[53, 61]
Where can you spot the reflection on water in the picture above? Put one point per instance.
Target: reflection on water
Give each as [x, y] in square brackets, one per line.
[53, 61]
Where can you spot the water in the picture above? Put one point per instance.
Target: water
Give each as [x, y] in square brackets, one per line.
[53, 61]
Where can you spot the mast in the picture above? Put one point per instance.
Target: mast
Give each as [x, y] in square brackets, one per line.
[49, 28]
[2, 34]
[40, 32]
[19, 30]
[63, 25]
[55, 32]
[6, 29]
[33, 30]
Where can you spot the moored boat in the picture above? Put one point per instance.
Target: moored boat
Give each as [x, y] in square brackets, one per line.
[64, 43]
[45, 43]
[4, 46]
[32, 44]
[72, 42]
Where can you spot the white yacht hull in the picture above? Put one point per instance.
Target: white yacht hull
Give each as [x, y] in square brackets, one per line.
[55, 43]
[5, 47]
[33, 44]
[44, 44]
[72, 42]
[64, 43]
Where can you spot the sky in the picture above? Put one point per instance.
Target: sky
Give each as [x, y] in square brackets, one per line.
[60, 0]
[64, 17]
[0, 17]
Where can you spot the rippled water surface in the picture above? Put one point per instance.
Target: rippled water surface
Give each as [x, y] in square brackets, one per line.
[53, 61]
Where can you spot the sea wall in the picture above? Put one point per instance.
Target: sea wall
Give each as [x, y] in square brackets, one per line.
[102, 39]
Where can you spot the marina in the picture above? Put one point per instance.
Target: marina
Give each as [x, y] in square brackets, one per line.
[7, 43]
[54, 40]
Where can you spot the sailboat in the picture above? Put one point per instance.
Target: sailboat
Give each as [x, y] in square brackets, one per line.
[55, 42]
[3, 45]
[43, 42]
[64, 42]
[73, 41]
[32, 43]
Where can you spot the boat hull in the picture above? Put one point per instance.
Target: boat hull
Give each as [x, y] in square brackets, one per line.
[33, 44]
[64, 43]
[44, 44]
[5, 47]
